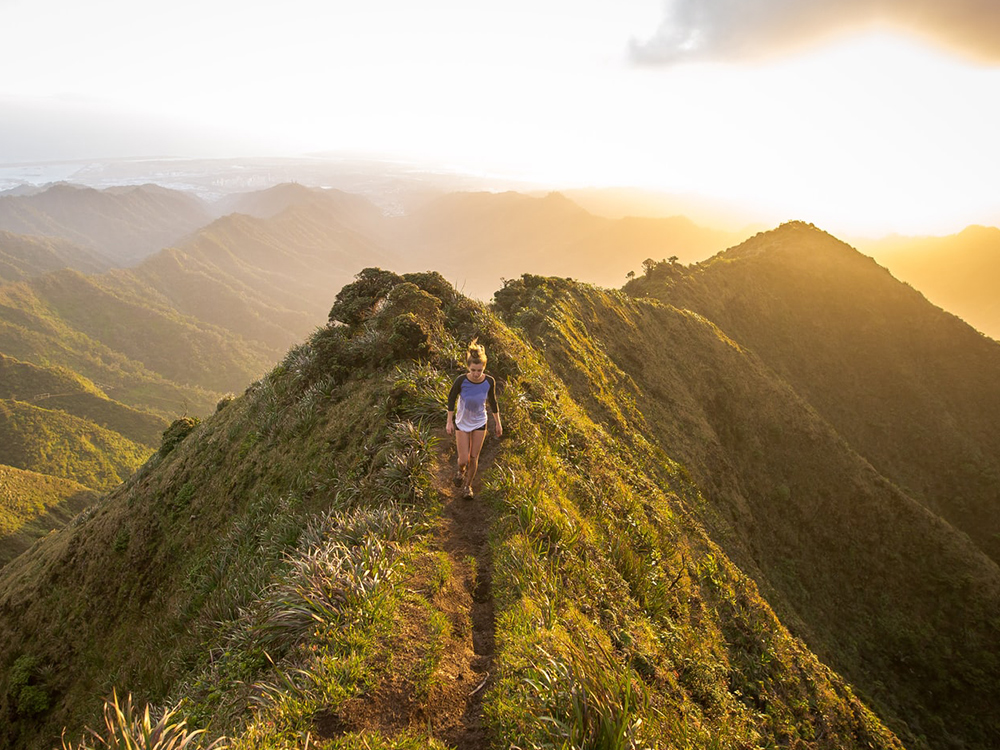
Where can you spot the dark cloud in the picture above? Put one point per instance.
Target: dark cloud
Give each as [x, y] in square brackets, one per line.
[742, 29]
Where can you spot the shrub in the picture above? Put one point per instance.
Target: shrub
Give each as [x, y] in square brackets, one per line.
[356, 302]
[27, 695]
[176, 432]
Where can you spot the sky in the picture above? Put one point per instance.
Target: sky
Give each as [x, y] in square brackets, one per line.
[861, 116]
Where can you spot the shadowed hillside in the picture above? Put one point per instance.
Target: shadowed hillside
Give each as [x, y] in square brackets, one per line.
[913, 389]
[122, 224]
[961, 273]
[291, 565]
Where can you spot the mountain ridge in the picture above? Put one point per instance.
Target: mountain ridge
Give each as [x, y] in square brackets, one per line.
[884, 366]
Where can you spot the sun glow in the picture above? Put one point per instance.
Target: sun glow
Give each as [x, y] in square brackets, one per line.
[868, 134]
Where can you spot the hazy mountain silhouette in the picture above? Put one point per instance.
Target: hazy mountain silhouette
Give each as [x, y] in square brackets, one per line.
[475, 239]
[122, 224]
[961, 273]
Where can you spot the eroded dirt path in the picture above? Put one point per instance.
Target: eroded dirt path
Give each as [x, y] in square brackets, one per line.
[466, 669]
[451, 708]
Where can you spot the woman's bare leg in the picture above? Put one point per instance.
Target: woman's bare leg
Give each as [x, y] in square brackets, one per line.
[476, 445]
[463, 443]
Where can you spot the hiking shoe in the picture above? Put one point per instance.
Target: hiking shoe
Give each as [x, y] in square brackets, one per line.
[467, 495]
[459, 478]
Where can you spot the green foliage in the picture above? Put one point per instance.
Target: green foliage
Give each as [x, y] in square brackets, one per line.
[26, 691]
[356, 302]
[32, 504]
[125, 728]
[176, 432]
[58, 444]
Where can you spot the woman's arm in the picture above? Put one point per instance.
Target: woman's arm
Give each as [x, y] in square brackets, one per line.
[453, 394]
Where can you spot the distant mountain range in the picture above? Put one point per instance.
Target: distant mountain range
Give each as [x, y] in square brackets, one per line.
[121, 225]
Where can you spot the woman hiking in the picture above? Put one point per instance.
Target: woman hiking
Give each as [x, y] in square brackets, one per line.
[473, 392]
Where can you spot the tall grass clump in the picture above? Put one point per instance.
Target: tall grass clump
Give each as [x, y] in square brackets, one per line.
[128, 728]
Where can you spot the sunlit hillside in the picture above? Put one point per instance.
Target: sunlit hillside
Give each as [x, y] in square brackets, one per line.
[23, 257]
[672, 545]
[121, 224]
[961, 273]
[33, 504]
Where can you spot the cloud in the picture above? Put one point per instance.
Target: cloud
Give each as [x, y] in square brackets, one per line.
[747, 29]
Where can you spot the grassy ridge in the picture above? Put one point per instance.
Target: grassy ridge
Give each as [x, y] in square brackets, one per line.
[911, 388]
[859, 570]
[33, 504]
[279, 564]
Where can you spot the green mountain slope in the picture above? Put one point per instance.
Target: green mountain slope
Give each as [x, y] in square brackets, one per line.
[124, 224]
[63, 390]
[41, 322]
[912, 389]
[961, 273]
[61, 445]
[863, 573]
[23, 257]
[294, 566]
[33, 504]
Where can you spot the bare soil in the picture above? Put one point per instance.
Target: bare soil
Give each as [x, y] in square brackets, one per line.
[451, 711]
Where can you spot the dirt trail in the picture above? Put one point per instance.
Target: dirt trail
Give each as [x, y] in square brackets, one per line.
[452, 709]
[456, 714]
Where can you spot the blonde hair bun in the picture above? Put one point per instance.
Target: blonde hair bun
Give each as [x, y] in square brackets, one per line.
[476, 353]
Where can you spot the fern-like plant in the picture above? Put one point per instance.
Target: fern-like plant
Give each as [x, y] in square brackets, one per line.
[126, 728]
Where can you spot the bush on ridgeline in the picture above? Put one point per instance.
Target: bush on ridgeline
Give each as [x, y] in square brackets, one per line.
[413, 320]
[358, 301]
[380, 318]
[176, 432]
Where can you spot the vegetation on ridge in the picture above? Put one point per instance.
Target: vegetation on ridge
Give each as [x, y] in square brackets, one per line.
[281, 562]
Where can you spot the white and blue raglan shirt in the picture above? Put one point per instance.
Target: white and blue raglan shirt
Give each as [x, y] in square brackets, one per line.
[472, 399]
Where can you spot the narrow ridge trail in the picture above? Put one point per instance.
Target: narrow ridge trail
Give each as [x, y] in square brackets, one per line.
[451, 710]
[466, 669]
